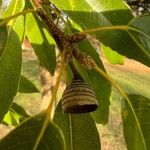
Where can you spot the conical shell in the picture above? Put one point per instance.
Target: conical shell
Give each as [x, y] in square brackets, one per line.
[78, 97]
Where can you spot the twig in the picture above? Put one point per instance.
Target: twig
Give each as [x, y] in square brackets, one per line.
[5, 20]
[51, 104]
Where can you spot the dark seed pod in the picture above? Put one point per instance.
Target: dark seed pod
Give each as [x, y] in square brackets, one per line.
[78, 97]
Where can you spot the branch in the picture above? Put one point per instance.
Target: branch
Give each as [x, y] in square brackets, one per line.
[51, 104]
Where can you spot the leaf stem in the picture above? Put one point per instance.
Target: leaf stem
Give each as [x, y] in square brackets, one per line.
[51, 104]
[5, 20]
[101, 72]
[120, 27]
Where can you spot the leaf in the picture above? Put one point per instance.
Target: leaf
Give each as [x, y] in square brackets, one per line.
[26, 86]
[79, 130]
[15, 115]
[42, 42]
[25, 136]
[13, 7]
[10, 69]
[136, 139]
[103, 13]
[10, 61]
[101, 87]
[0, 6]
[3, 39]
[112, 56]
[141, 33]
[11, 118]
[97, 13]
[17, 23]
[19, 110]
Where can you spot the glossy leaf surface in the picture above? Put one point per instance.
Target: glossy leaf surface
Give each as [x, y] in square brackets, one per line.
[101, 14]
[18, 23]
[41, 41]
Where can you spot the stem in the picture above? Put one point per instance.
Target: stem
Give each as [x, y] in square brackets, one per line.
[15, 15]
[51, 104]
[74, 71]
[100, 71]
[121, 27]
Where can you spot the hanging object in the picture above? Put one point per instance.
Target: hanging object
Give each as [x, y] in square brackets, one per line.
[78, 97]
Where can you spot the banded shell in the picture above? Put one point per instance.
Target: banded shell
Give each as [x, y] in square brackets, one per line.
[78, 97]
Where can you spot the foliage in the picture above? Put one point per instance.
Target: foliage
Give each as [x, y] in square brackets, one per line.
[121, 35]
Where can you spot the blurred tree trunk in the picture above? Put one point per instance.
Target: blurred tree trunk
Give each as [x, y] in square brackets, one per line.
[47, 82]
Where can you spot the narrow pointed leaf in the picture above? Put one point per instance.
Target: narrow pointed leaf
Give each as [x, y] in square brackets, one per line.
[10, 69]
[26, 134]
[26, 86]
[41, 41]
[10, 61]
[79, 130]
[101, 87]
[136, 139]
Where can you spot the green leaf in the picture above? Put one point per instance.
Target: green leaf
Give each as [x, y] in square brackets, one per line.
[96, 12]
[0, 6]
[13, 7]
[19, 110]
[112, 56]
[79, 130]
[3, 39]
[136, 139]
[26, 86]
[10, 69]
[141, 33]
[11, 118]
[101, 87]
[15, 115]
[18, 23]
[41, 41]
[103, 13]
[25, 136]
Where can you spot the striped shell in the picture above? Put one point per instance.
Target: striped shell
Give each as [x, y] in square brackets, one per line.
[78, 97]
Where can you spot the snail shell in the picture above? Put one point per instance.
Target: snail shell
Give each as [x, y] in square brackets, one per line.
[78, 97]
